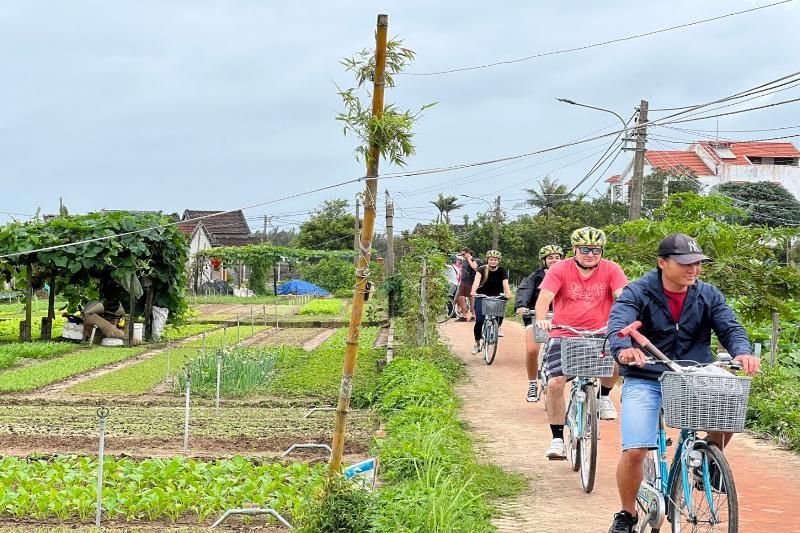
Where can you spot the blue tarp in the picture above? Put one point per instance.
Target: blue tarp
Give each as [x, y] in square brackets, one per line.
[298, 286]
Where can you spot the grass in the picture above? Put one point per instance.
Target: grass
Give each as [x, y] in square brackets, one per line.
[322, 307]
[260, 300]
[774, 408]
[32, 377]
[141, 377]
[173, 332]
[12, 353]
[319, 373]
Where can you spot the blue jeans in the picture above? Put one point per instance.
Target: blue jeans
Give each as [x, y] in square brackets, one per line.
[477, 331]
[641, 407]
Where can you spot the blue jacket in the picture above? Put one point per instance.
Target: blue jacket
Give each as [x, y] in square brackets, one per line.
[704, 310]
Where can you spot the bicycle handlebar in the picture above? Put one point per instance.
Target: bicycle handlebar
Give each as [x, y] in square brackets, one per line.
[499, 297]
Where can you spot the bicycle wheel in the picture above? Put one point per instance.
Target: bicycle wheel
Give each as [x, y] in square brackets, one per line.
[490, 341]
[713, 508]
[588, 441]
[446, 312]
[570, 434]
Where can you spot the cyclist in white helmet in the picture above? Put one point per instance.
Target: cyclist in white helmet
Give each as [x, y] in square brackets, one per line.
[490, 280]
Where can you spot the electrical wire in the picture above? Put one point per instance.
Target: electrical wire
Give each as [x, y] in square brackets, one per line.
[594, 45]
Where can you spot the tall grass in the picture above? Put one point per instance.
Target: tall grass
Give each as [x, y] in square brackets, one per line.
[243, 369]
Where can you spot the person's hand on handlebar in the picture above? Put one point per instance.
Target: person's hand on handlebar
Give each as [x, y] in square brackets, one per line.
[749, 363]
[545, 324]
[522, 310]
[632, 357]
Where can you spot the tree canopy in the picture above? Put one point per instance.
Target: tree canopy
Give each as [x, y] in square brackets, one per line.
[329, 228]
[766, 203]
[445, 205]
[143, 245]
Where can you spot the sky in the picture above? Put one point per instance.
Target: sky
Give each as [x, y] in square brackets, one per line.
[216, 105]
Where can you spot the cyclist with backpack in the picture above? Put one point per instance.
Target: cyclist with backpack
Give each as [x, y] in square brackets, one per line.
[490, 280]
[581, 291]
[525, 299]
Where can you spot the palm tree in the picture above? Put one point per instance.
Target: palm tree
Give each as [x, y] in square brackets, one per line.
[446, 204]
[549, 193]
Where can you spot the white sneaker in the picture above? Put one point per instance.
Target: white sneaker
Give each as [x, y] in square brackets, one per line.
[476, 349]
[500, 332]
[606, 409]
[556, 450]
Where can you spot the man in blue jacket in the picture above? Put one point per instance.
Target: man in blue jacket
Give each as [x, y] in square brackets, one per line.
[678, 314]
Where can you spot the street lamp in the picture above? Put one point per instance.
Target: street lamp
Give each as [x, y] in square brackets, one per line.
[573, 102]
[496, 208]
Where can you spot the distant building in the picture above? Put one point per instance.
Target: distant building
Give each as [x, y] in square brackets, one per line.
[718, 162]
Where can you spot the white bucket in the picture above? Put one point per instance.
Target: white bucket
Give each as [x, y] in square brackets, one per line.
[72, 331]
[110, 341]
[138, 333]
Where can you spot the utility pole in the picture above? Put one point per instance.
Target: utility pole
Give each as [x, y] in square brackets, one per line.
[356, 230]
[362, 270]
[264, 236]
[389, 235]
[635, 199]
[496, 234]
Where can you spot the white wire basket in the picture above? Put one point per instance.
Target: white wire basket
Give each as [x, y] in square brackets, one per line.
[705, 402]
[583, 357]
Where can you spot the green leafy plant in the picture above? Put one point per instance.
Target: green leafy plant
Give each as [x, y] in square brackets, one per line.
[322, 307]
[330, 273]
[339, 506]
[243, 369]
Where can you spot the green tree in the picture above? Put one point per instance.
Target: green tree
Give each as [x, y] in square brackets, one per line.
[329, 228]
[330, 273]
[597, 212]
[661, 183]
[766, 203]
[446, 204]
[546, 196]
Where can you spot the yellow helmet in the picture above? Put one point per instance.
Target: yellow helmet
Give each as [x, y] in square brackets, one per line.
[550, 249]
[493, 253]
[588, 236]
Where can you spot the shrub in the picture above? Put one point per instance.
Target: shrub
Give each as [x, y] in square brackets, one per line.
[330, 273]
[774, 408]
[322, 307]
[341, 506]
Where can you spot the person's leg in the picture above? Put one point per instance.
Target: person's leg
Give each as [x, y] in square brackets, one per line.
[531, 354]
[477, 331]
[606, 406]
[641, 407]
[554, 403]
[472, 311]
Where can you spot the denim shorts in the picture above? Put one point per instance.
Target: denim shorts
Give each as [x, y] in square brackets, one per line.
[641, 407]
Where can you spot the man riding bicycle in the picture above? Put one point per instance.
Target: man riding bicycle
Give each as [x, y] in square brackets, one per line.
[490, 280]
[525, 299]
[582, 291]
[678, 314]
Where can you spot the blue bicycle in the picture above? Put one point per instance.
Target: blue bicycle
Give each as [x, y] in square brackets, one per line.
[696, 492]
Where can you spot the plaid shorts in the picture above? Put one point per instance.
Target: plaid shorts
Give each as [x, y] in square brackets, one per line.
[552, 367]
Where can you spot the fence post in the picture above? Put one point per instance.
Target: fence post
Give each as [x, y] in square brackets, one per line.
[773, 340]
[238, 331]
[265, 315]
[186, 418]
[252, 322]
[219, 376]
[169, 350]
[102, 413]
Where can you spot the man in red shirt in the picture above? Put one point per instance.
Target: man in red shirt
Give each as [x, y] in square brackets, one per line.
[582, 292]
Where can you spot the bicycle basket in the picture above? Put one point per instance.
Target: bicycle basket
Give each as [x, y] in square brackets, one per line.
[493, 307]
[540, 335]
[581, 356]
[705, 402]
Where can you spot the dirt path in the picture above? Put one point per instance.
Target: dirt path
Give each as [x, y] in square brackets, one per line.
[515, 435]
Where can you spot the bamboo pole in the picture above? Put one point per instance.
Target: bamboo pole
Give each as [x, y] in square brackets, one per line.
[362, 272]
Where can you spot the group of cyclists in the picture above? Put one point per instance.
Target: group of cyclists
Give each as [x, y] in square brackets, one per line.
[584, 291]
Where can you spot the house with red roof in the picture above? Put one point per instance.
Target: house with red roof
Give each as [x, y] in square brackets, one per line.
[718, 162]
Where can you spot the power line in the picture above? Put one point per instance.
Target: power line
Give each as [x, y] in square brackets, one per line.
[594, 45]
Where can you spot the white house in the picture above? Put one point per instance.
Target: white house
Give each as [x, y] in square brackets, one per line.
[199, 240]
[718, 162]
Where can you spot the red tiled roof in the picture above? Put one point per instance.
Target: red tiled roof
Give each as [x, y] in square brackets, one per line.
[614, 179]
[752, 149]
[678, 158]
[186, 228]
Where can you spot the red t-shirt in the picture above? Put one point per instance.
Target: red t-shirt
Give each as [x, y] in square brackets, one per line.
[675, 302]
[582, 303]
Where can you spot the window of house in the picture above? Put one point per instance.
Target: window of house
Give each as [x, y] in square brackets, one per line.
[788, 161]
[755, 160]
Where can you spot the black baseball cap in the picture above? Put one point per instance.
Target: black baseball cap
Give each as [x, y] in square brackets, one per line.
[682, 249]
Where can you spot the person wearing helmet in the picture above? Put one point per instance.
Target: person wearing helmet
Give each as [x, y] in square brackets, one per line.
[581, 291]
[525, 299]
[490, 280]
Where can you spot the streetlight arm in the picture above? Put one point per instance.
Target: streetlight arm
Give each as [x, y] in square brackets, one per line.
[573, 102]
[476, 198]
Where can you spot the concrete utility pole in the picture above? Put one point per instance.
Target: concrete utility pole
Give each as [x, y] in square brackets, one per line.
[496, 234]
[637, 182]
[362, 270]
[389, 235]
[264, 236]
[356, 231]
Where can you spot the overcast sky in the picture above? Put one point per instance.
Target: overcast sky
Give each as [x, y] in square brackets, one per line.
[152, 105]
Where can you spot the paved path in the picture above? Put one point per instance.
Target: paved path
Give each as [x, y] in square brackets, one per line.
[515, 435]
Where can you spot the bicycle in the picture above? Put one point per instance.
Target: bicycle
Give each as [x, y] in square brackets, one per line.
[451, 309]
[541, 337]
[492, 307]
[583, 358]
[696, 491]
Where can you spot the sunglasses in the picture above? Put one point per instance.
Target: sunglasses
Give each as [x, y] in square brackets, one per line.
[586, 250]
